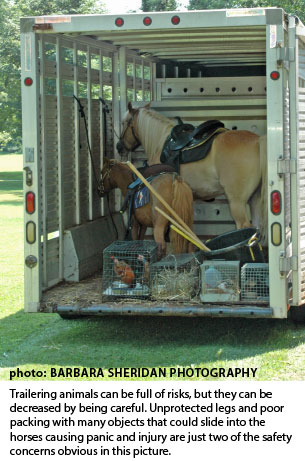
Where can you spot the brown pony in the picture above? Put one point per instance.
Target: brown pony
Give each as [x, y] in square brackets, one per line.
[235, 165]
[173, 189]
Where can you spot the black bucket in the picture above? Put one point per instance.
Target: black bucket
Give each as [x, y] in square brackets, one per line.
[240, 245]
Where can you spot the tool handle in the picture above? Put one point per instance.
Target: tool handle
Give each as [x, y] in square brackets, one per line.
[166, 205]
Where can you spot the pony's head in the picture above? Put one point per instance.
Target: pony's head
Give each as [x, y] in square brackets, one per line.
[129, 139]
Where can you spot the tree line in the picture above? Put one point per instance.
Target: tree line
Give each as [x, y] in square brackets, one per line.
[12, 10]
[10, 87]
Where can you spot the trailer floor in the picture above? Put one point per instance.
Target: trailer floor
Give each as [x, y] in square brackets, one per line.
[84, 293]
[88, 292]
[87, 295]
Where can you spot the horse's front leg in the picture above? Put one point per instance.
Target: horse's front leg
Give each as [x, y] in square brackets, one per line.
[142, 232]
[135, 230]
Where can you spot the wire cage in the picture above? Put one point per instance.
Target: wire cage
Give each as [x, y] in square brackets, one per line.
[126, 267]
[255, 282]
[220, 281]
[175, 278]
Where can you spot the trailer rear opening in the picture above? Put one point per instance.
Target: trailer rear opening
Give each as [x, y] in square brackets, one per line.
[242, 67]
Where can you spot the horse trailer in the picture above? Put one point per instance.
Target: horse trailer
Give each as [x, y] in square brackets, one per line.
[244, 67]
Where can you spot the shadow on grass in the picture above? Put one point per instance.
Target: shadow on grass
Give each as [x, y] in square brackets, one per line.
[11, 183]
[11, 202]
[141, 342]
[11, 176]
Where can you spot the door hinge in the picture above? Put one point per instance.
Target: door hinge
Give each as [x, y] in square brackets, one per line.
[288, 264]
[286, 166]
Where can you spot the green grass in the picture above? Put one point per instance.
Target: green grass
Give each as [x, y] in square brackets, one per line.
[41, 341]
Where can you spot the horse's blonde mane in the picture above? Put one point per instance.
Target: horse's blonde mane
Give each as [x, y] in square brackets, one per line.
[153, 129]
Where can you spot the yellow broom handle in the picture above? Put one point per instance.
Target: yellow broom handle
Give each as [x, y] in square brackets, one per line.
[165, 204]
[187, 237]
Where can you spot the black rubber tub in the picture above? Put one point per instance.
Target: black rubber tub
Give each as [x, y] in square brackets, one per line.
[240, 245]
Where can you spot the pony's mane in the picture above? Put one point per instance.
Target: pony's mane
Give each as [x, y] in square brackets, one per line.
[153, 129]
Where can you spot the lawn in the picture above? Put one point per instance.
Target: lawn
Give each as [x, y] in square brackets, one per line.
[41, 341]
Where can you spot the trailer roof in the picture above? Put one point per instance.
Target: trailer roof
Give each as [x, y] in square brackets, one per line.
[191, 44]
[202, 36]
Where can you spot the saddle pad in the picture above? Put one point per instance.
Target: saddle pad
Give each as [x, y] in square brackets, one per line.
[138, 192]
[141, 195]
[141, 198]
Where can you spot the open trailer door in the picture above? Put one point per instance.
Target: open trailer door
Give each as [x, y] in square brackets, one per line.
[32, 169]
[297, 143]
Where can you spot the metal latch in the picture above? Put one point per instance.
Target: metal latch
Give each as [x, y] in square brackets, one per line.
[285, 54]
[28, 176]
[286, 166]
[288, 264]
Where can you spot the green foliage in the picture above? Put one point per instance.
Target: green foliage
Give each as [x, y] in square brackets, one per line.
[296, 7]
[159, 5]
[209, 4]
[10, 88]
[41, 7]
[10, 110]
[5, 138]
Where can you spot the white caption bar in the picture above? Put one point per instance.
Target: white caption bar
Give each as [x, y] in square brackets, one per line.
[140, 420]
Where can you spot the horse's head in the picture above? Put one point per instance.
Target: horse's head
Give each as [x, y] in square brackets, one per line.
[107, 183]
[129, 139]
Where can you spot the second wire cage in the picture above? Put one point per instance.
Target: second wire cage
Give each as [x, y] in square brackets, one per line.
[175, 278]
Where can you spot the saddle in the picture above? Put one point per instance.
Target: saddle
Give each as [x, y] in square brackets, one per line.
[189, 144]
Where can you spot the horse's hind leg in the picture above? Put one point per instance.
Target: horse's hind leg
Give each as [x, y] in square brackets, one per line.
[254, 203]
[238, 195]
[160, 225]
[239, 213]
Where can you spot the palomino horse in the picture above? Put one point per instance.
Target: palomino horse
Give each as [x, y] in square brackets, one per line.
[173, 189]
[235, 165]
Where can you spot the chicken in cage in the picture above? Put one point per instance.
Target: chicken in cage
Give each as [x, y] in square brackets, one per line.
[126, 268]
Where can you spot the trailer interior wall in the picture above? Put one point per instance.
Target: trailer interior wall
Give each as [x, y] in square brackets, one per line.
[239, 102]
[186, 69]
[72, 223]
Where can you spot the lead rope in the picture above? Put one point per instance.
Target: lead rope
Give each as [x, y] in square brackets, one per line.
[83, 115]
[105, 112]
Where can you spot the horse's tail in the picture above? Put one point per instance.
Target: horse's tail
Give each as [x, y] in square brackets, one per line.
[263, 195]
[182, 204]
